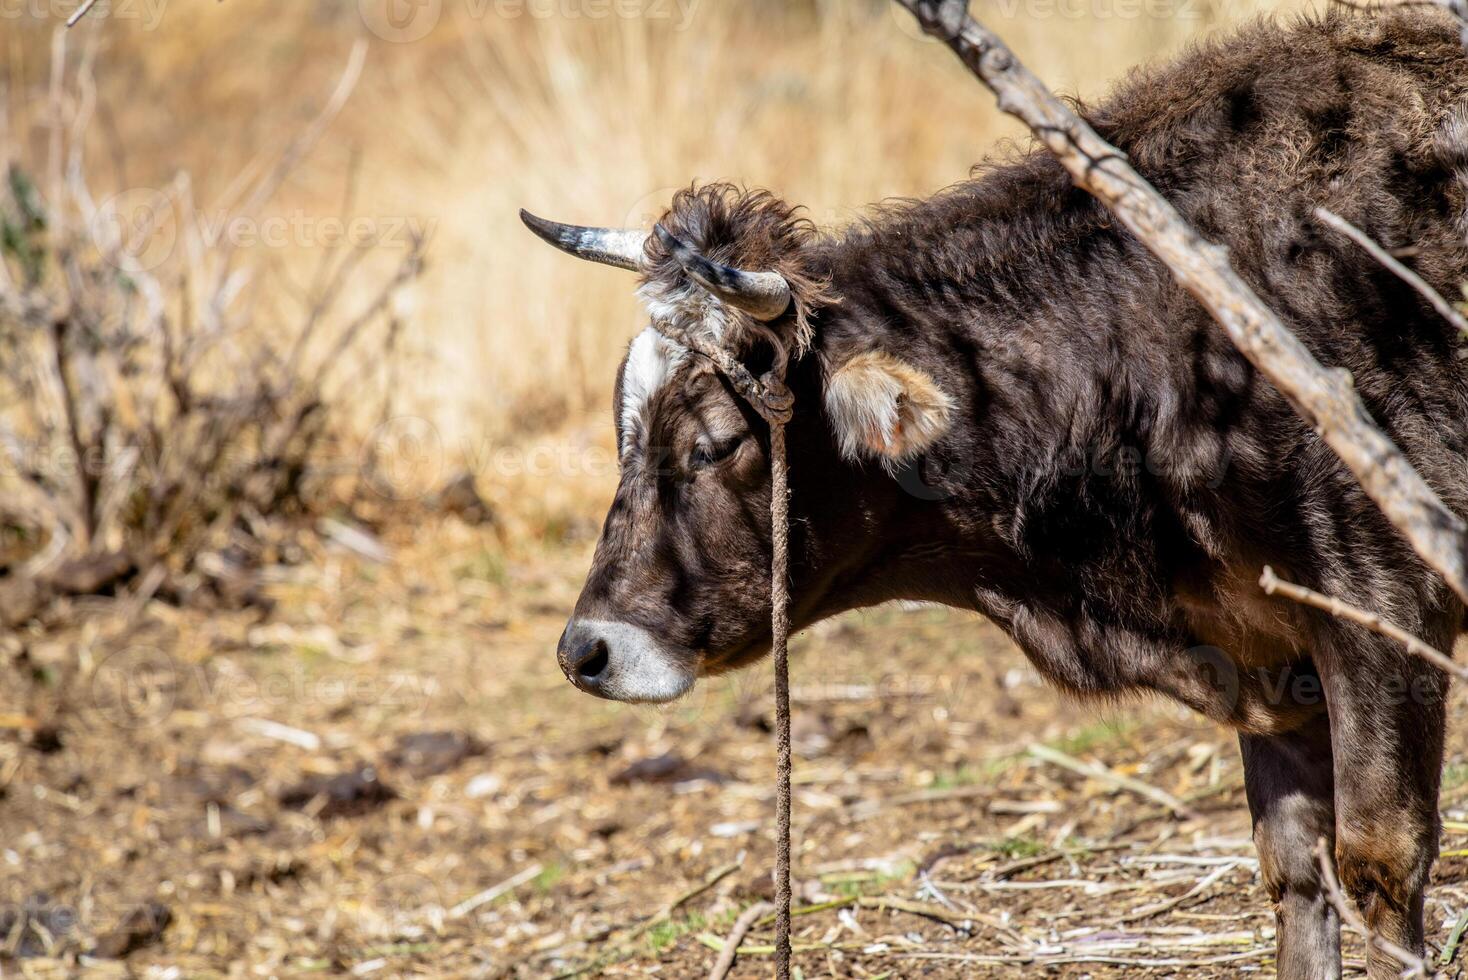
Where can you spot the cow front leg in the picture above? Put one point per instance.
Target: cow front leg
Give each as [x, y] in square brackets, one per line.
[1290, 785]
[1387, 718]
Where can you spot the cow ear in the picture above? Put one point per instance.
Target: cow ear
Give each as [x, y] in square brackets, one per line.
[883, 406]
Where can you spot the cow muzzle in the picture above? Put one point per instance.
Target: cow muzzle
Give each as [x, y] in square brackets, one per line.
[622, 662]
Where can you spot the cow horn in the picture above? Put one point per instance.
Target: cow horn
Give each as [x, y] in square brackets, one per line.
[763, 295]
[620, 247]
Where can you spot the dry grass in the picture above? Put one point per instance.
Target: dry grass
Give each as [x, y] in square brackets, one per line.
[157, 411]
[833, 103]
[937, 835]
[153, 757]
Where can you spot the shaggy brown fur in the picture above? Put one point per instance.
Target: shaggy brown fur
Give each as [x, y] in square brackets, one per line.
[1115, 474]
[754, 230]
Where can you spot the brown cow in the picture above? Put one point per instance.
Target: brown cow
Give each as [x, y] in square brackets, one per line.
[1005, 403]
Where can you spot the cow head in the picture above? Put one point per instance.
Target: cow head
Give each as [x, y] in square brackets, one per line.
[679, 587]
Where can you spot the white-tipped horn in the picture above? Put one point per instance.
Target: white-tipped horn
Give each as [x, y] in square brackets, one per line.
[763, 295]
[620, 247]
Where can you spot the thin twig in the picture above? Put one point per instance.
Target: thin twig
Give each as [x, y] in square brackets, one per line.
[742, 925]
[1443, 307]
[56, 118]
[308, 138]
[1413, 964]
[628, 934]
[975, 958]
[1102, 774]
[710, 880]
[490, 894]
[866, 809]
[1274, 585]
[1172, 903]
[954, 917]
[80, 12]
[87, 476]
[409, 269]
[1011, 868]
[265, 189]
[1324, 398]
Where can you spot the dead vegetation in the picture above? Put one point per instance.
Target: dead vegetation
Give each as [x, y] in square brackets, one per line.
[159, 419]
[413, 791]
[385, 775]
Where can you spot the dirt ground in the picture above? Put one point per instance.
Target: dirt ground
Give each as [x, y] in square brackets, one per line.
[387, 776]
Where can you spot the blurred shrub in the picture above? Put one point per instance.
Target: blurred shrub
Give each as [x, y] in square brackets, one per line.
[156, 415]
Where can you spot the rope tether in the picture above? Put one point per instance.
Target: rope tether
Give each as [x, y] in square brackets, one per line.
[772, 399]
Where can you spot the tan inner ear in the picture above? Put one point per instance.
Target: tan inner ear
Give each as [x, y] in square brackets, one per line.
[881, 405]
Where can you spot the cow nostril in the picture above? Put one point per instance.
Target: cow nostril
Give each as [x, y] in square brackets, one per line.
[592, 660]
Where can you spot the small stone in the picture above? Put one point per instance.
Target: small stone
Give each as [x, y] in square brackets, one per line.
[431, 753]
[347, 794]
[664, 769]
[141, 927]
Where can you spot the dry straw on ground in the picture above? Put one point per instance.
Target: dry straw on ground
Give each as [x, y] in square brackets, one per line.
[388, 777]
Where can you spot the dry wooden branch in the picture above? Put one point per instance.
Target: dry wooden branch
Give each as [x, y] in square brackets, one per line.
[307, 139]
[1325, 398]
[1413, 965]
[1381, 255]
[1274, 585]
[627, 935]
[736, 936]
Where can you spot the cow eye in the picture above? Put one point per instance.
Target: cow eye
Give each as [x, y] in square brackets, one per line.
[712, 451]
